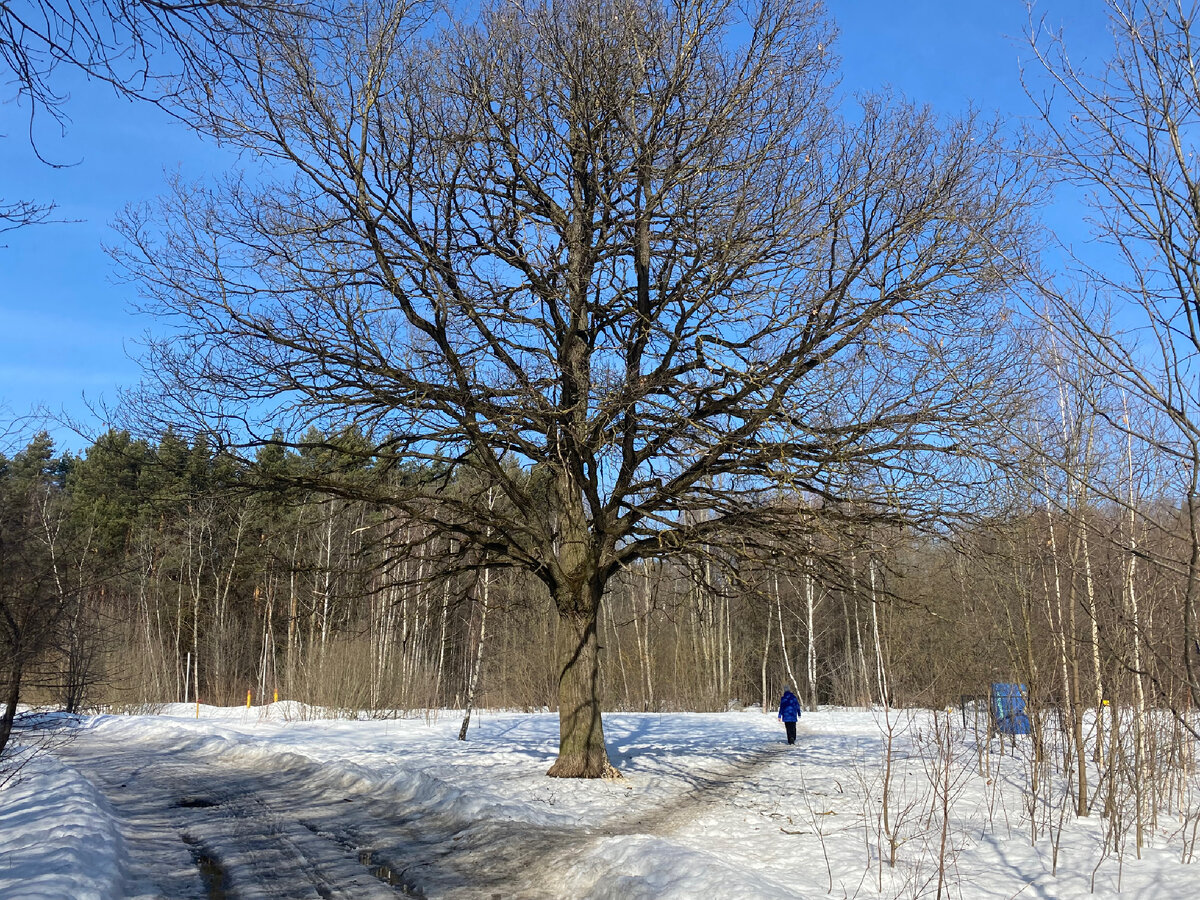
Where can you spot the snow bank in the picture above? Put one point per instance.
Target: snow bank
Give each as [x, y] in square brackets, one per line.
[58, 838]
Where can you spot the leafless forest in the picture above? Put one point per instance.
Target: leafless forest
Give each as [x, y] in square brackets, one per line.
[185, 580]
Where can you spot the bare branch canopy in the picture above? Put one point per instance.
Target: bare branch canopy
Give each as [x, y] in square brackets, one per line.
[629, 261]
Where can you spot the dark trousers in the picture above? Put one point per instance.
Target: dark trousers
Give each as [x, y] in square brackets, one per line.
[791, 731]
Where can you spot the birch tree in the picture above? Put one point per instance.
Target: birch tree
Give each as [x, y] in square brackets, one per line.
[1126, 131]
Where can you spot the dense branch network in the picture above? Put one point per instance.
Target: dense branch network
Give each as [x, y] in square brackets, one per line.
[652, 287]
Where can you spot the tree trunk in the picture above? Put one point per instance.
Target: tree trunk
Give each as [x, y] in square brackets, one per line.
[266, 659]
[293, 630]
[615, 633]
[766, 651]
[581, 749]
[1056, 614]
[787, 662]
[473, 681]
[12, 695]
[644, 645]
[810, 605]
[441, 660]
[1097, 672]
[880, 666]
[1139, 708]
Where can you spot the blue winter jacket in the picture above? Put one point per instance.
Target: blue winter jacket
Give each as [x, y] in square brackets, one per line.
[789, 707]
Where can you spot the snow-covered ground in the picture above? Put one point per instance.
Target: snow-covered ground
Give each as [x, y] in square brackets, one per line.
[269, 803]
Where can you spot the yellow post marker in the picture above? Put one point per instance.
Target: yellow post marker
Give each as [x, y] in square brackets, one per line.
[247, 699]
[197, 707]
[276, 700]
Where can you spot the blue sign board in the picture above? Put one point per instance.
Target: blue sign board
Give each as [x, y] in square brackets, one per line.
[1009, 715]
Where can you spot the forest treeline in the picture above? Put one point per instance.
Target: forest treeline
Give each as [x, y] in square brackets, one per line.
[152, 572]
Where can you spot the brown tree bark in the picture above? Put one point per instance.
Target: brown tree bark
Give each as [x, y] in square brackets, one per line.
[12, 694]
[581, 749]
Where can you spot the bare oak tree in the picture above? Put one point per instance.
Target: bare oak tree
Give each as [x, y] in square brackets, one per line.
[631, 246]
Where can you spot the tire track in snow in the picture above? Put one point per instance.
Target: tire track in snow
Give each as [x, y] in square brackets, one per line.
[171, 803]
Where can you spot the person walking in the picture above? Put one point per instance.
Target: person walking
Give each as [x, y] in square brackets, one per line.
[789, 713]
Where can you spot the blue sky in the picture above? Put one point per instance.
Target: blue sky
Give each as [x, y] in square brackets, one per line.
[67, 330]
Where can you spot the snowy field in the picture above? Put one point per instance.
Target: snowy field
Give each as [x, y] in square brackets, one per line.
[268, 803]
